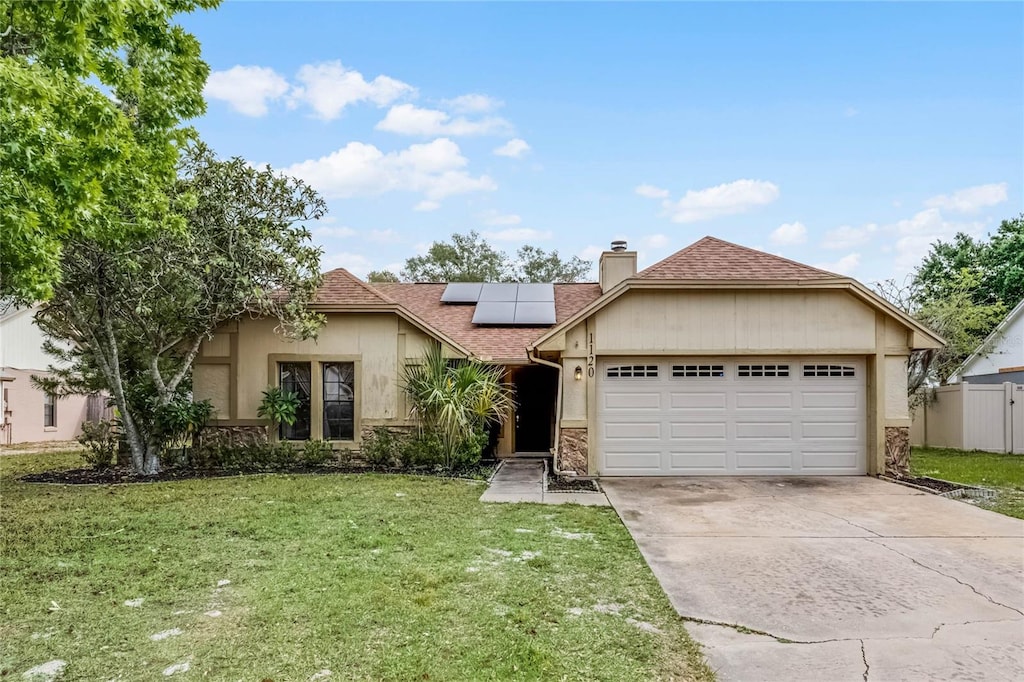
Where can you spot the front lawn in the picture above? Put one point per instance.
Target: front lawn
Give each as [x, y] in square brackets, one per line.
[283, 577]
[1001, 472]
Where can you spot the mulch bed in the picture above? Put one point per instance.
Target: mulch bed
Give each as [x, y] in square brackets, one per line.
[124, 475]
[568, 484]
[932, 483]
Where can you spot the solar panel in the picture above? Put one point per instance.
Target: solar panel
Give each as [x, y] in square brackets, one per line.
[494, 312]
[536, 292]
[494, 291]
[534, 312]
[462, 292]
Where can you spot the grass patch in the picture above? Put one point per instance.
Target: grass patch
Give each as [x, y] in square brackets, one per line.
[370, 576]
[1001, 472]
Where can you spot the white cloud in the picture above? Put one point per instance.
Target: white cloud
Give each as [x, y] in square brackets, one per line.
[472, 103]
[656, 241]
[726, 199]
[518, 234]
[409, 119]
[850, 112]
[514, 149]
[247, 89]
[435, 169]
[591, 252]
[844, 266]
[847, 237]
[384, 236]
[914, 236]
[334, 232]
[492, 217]
[789, 234]
[329, 87]
[651, 192]
[970, 199]
[426, 206]
[355, 263]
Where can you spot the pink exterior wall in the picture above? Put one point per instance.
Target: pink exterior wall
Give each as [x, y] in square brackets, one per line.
[23, 411]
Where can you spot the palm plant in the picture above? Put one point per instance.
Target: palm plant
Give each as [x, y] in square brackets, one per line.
[456, 402]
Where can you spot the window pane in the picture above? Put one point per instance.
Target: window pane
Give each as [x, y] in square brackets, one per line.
[339, 400]
[295, 377]
[50, 410]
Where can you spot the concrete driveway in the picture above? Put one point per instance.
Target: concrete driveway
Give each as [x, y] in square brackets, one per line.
[833, 578]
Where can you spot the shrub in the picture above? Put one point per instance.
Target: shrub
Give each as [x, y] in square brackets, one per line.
[457, 402]
[100, 440]
[248, 457]
[382, 448]
[316, 453]
[279, 406]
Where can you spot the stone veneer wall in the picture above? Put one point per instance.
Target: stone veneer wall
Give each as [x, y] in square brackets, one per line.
[897, 451]
[232, 436]
[572, 451]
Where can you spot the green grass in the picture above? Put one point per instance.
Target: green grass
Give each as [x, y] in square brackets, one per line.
[1001, 472]
[373, 577]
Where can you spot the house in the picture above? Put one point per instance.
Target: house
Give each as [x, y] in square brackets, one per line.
[1000, 357]
[982, 405]
[718, 360]
[30, 415]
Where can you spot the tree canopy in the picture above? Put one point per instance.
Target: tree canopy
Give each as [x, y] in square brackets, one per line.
[998, 263]
[92, 97]
[470, 258]
[136, 311]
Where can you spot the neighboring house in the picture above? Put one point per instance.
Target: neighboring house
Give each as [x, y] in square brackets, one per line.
[29, 414]
[1000, 357]
[717, 360]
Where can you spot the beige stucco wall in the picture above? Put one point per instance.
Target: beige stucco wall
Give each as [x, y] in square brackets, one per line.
[237, 362]
[726, 322]
[574, 393]
[897, 407]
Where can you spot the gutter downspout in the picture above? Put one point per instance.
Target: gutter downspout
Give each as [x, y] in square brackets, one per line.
[558, 413]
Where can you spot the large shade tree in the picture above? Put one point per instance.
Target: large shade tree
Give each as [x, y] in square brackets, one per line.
[129, 315]
[470, 258]
[92, 97]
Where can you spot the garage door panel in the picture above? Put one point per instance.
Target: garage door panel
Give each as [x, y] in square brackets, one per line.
[634, 460]
[698, 401]
[830, 430]
[632, 430]
[828, 400]
[683, 462]
[617, 400]
[845, 459]
[698, 431]
[749, 400]
[670, 423]
[765, 460]
[764, 430]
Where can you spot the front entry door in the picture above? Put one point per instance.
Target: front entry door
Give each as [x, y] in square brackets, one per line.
[535, 388]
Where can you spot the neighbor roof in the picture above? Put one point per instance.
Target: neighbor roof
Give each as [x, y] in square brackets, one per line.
[491, 343]
[712, 258]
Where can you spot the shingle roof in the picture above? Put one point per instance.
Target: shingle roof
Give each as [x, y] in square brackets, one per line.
[341, 287]
[712, 258]
[494, 343]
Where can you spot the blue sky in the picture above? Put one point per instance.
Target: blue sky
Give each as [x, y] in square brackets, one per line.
[848, 136]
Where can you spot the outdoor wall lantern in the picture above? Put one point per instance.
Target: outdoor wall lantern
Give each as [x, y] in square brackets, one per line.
[578, 374]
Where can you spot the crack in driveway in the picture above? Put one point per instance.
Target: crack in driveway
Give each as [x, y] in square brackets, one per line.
[947, 575]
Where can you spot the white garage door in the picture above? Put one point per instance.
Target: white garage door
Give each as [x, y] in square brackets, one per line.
[747, 416]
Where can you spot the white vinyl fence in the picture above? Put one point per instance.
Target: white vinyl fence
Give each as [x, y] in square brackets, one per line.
[972, 417]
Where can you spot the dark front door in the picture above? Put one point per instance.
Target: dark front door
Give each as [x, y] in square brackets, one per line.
[535, 412]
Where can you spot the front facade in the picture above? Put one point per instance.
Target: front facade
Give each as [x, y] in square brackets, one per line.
[718, 360]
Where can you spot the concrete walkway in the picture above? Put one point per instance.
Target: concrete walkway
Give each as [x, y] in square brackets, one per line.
[833, 578]
[523, 480]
